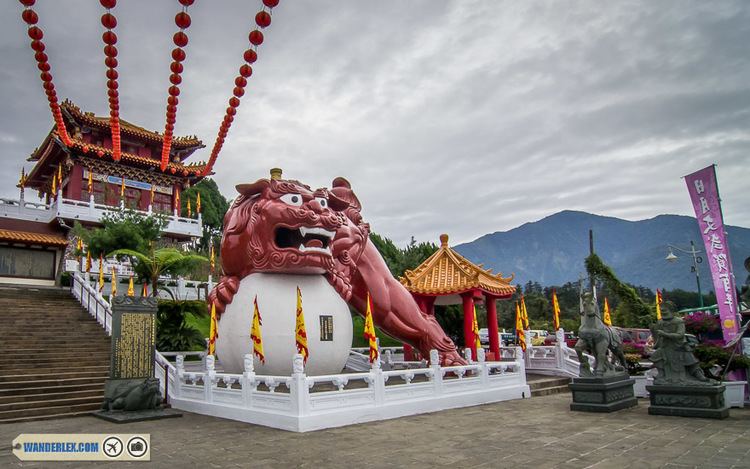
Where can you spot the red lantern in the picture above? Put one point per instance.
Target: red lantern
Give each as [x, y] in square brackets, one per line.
[246, 71]
[176, 67]
[178, 54]
[256, 37]
[27, 3]
[231, 111]
[37, 46]
[112, 74]
[45, 76]
[173, 101]
[182, 20]
[100, 153]
[171, 108]
[234, 102]
[35, 33]
[250, 56]
[270, 3]
[172, 170]
[238, 91]
[109, 21]
[108, 3]
[43, 66]
[187, 3]
[175, 79]
[263, 19]
[240, 81]
[180, 39]
[110, 62]
[110, 51]
[113, 93]
[48, 85]
[29, 16]
[85, 149]
[174, 91]
[109, 38]
[40, 57]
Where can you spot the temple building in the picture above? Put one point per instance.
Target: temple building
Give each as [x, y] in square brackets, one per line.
[82, 182]
[447, 278]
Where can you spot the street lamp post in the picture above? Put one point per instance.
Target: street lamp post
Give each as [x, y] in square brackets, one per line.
[696, 260]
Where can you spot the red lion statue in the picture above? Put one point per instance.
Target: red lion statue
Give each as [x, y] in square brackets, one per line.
[282, 226]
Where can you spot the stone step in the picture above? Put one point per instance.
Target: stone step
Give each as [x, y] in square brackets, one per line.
[12, 415]
[550, 390]
[14, 393]
[64, 368]
[48, 401]
[547, 382]
[61, 352]
[43, 379]
[50, 362]
[64, 415]
[52, 342]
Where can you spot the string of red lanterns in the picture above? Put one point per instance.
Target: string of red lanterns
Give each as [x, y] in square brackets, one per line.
[180, 39]
[262, 20]
[30, 17]
[110, 51]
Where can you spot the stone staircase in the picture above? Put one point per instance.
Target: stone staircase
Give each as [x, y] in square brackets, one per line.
[542, 385]
[55, 356]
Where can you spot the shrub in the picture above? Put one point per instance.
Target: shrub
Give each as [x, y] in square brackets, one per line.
[711, 355]
[173, 332]
[633, 361]
[701, 322]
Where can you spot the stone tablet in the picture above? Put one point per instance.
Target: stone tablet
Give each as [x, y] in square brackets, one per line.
[133, 337]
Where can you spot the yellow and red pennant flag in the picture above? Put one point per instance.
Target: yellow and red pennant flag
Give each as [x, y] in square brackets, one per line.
[659, 301]
[114, 281]
[213, 333]
[519, 329]
[101, 274]
[606, 318]
[177, 198]
[212, 259]
[91, 182]
[131, 288]
[59, 174]
[300, 335]
[54, 186]
[88, 261]
[198, 203]
[144, 290]
[189, 210]
[369, 332]
[475, 330]
[122, 186]
[79, 249]
[151, 195]
[524, 314]
[255, 334]
[555, 310]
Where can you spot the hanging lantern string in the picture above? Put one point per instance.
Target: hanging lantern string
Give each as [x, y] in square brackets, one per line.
[30, 17]
[262, 20]
[180, 39]
[110, 51]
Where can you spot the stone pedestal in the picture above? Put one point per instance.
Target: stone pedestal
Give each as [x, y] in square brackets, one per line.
[603, 393]
[688, 401]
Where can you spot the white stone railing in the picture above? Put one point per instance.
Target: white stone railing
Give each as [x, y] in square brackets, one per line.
[90, 211]
[92, 301]
[303, 403]
[556, 360]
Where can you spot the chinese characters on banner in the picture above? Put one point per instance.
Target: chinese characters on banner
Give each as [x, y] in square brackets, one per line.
[704, 194]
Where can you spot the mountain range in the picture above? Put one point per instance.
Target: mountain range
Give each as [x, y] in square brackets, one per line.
[551, 251]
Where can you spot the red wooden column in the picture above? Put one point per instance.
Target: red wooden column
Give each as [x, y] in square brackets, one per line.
[469, 339]
[75, 180]
[490, 303]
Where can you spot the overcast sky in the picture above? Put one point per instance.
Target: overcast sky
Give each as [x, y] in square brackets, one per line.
[466, 117]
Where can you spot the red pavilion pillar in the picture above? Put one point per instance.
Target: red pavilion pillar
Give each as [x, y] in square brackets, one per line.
[469, 339]
[490, 303]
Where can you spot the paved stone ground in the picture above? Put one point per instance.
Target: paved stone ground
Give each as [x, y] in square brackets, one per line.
[532, 433]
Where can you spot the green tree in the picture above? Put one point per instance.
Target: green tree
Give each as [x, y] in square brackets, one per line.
[159, 262]
[213, 208]
[632, 311]
[122, 229]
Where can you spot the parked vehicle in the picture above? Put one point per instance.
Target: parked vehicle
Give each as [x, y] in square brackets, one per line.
[484, 336]
[570, 339]
[633, 335]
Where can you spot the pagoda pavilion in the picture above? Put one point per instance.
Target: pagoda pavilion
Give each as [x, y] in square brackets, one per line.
[447, 278]
[84, 180]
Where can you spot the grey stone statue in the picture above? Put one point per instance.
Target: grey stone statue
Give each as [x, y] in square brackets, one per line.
[133, 396]
[598, 339]
[673, 357]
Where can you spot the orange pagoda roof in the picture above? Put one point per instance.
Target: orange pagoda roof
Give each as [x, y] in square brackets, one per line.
[33, 238]
[446, 272]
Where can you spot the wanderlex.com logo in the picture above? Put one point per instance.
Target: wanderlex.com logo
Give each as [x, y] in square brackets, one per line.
[82, 447]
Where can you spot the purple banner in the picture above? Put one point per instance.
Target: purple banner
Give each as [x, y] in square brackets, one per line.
[704, 194]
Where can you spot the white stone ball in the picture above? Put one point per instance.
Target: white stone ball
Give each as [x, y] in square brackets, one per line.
[277, 302]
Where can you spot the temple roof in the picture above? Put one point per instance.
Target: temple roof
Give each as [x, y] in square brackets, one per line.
[446, 272]
[33, 238]
[127, 128]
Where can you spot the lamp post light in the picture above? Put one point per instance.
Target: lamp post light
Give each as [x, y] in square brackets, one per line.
[696, 260]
